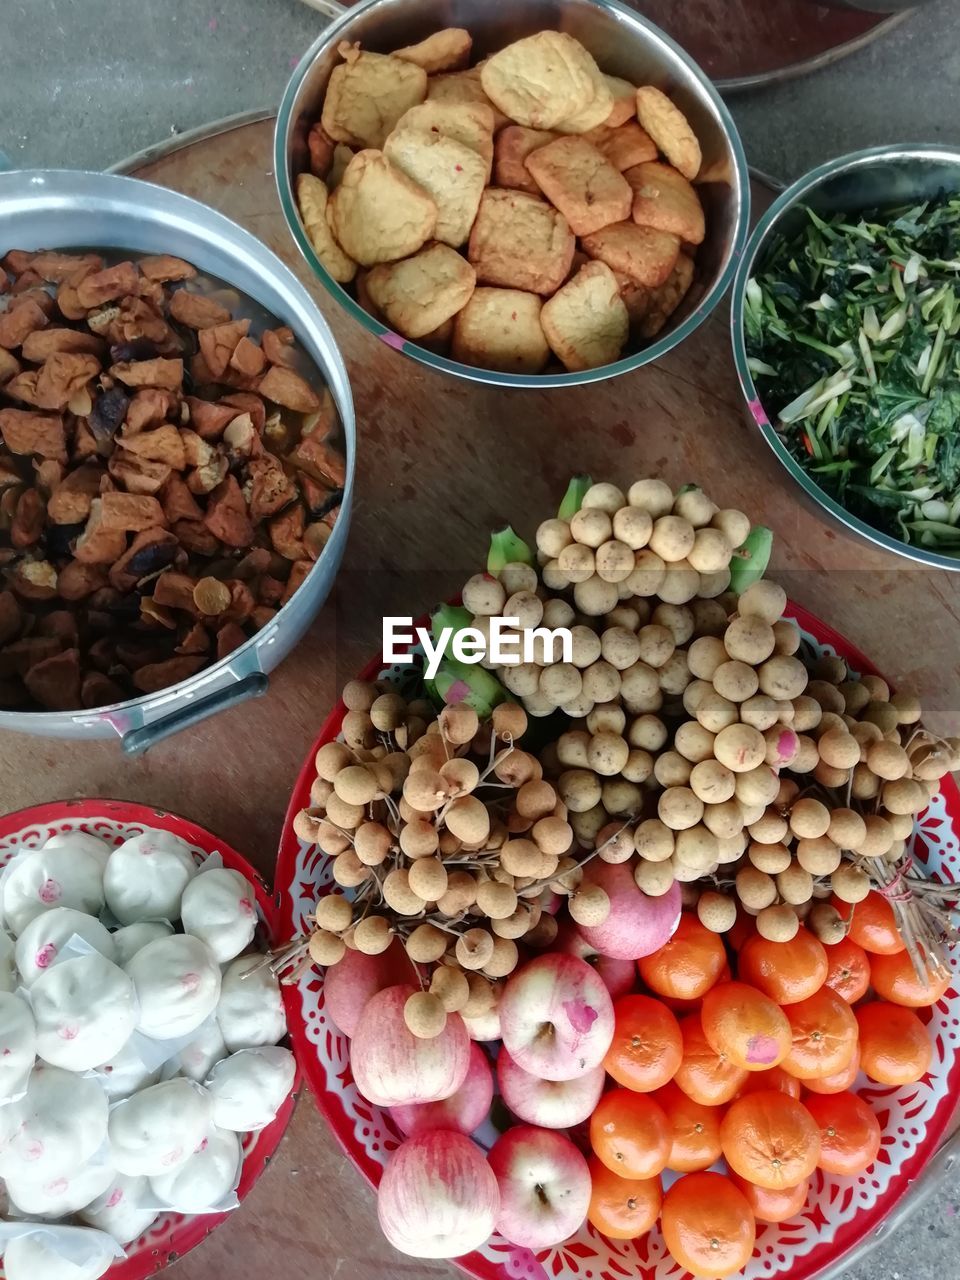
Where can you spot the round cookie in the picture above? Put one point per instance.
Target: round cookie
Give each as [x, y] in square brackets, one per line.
[86, 1010]
[178, 985]
[146, 876]
[160, 1128]
[43, 940]
[220, 908]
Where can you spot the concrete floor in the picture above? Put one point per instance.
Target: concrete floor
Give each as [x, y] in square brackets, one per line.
[85, 83]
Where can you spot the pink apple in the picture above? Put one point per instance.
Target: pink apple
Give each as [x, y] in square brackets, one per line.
[484, 1026]
[438, 1197]
[349, 984]
[392, 1066]
[554, 1104]
[637, 924]
[544, 1186]
[618, 976]
[463, 1110]
[556, 1017]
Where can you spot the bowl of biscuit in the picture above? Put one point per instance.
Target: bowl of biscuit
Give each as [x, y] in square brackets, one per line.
[537, 194]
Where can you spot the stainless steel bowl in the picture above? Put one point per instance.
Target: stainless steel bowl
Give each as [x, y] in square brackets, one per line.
[862, 180]
[624, 44]
[64, 210]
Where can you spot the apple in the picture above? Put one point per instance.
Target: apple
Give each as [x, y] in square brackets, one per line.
[618, 976]
[553, 1104]
[463, 1110]
[483, 1026]
[556, 1017]
[637, 924]
[392, 1066]
[438, 1197]
[349, 984]
[544, 1186]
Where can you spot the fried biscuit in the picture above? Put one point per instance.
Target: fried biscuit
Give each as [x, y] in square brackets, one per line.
[664, 301]
[636, 298]
[367, 95]
[581, 183]
[670, 130]
[447, 50]
[417, 295]
[625, 146]
[468, 122]
[664, 199]
[645, 255]
[624, 102]
[500, 329]
[543, 80]
[447, 170]
[463, 87]
[313, 201]
[586, 322]
[511, 148]
[520, 242]
[377, 213]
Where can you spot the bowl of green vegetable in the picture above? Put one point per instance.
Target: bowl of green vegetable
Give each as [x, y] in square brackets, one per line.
[846, 338]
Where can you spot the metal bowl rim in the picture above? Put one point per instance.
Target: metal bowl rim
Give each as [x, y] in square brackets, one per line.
[758, 237]
[491, 377]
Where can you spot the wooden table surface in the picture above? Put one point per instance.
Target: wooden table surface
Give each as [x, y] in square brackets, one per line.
[439, 463]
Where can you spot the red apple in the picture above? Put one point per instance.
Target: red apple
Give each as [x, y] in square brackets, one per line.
[554, 1104]
[349, 984]
[544, 1186]
[463, 1110]
[637, 924]
[392, 1066]
[618, 976]
[556, 1017]
[438, 1197]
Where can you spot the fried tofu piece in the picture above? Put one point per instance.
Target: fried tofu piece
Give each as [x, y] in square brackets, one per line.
[586, 322]
[664, 199]
[500, 329]
[646, 255]
[342, 155]
[446, 169]
[510, 151]
[313, 201]
[520, 242]
[463, 88]
[626, 146]
[636, 298]
[670, 129]
[417, 295]
[471, 123]
[664, 301]
[367, 94]
[447, 50]
[545, 79]
[624, 102]
[581, 183]
[377, 213]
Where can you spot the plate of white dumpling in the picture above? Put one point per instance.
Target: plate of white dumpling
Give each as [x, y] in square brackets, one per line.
[143, 1085]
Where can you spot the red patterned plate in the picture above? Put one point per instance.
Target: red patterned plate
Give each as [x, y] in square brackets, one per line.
[840, 1215]
[172, 1234]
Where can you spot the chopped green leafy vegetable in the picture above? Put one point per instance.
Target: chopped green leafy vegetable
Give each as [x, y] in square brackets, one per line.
[852, 340]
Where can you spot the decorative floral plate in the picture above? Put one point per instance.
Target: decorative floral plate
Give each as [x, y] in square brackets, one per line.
[171, 1234]
[841, 1214]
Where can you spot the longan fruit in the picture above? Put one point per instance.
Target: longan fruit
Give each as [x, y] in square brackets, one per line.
[591, 526]
[850, 883]
[807, 757]
[696, 847]
[330, 759]
[783, 677]
[830, 777]
[740, 747]
[654, 840]
[615, 561]
[607, 753]
[847, 829]
[809, 819]
[648, 573]
[786, 637]
[877, 688]
[647, 732]
[615, 843]
[711, 551]
[672, 538]
[828, 695]
[736, 681]
[716, 713]
[681, 583]
[907, 706]
[705, 655]
[904, 796]
[587, 825]
[882, 714]
[633, 527]
[427, 877]
[348, 870]
[771, 858]
[672, 769]
[807, 713]
[887, 760]
[757, 786]
[678, 808]
[552, 536]
[426, 944]
[639, 766]
[724, 820]
[749, 639]
[372, 935]
[731, 848]
[469, 820]
[595, 597]
[424, 1015]
[795, 884]
[419, 838]
[827, 923]
[764, 600]
[760, 711]
[733, 524]
[451, 987]
[716, 911]
[839, 748]
[325, 948]
[620, 796]
[572, 748]
[654, 878]
[333, 913]
[865, 784]
[755, 888]
[589, 905]
[504, 959]
[769, 828]
[675, 674]
[819, 855]
[694, 742]
[778, 923]
[399, 896]
[474, 949]
[694, 694]
[831, 668]
[712, 782]
[604, 497]
[496, 900]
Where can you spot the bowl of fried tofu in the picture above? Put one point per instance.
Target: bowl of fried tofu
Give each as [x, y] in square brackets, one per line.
[538, 194]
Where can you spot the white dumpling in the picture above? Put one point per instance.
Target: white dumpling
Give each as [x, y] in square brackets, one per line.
[83, 841]
[220, 907]
[159, 1128]
[178, 985]
[86, 1010]
[55, 1128]
[202, 1182]
[48, 878]
[44, 938]
[18, 1045]
[250, 1011]
[134, 937]
[38, 1256]
[126, 1072]
[120, 1210]
[9, 979]
[197, 1059]
[146, 876]
[60, 1196]
[249, 1087]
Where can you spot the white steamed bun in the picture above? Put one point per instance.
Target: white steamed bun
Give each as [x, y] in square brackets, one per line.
[86, 1010]
[44, 938]
[202, 1182]
[39, 1255]
[126, 1072]
[120, 1209]
[159, 1128]
[134, 937]
[60, 1196]
[197, 1059]
[47, 878]
[146, 876]
[18, 1045]
[249, 1087]
[219, 906]
[8, 969]
[250, 1012]
[82, 841]
[178, 985]
[55, 1128]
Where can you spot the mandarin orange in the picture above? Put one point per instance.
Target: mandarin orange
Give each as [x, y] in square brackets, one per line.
[785, 971]
[770, 1139]
[647, 1047]
[708, 1225]
[746, 1025]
